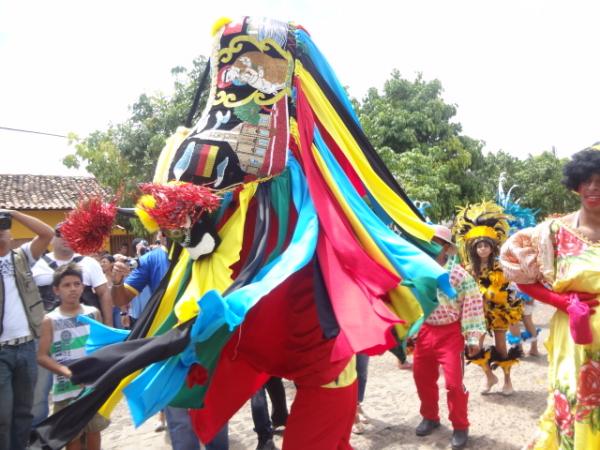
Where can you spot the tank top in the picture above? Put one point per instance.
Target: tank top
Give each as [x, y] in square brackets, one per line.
[68, 343]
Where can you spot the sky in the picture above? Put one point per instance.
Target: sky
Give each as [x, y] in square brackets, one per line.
[524, 74]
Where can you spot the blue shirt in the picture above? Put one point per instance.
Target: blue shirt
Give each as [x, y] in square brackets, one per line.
[144, 280]
[139, 302]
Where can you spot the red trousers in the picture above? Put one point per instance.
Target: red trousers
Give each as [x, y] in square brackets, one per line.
[441, 345]
[321, 418]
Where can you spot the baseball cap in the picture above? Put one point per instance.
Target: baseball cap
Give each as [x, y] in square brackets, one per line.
[137, 241]
[443, 233]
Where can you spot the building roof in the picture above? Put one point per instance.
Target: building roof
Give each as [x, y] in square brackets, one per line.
[46, 191]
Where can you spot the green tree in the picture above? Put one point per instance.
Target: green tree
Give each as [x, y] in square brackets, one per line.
[539, 185]
[408, 115]
[414, 131]
[125, 154]
[411, 127]
[487, 174]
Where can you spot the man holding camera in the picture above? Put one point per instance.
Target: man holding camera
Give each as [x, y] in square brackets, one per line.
[21, 313]
[128, 283]
[139, 301]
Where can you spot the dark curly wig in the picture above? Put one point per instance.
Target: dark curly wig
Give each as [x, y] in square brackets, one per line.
[582, 166]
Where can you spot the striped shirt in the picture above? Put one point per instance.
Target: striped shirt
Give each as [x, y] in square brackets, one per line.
[68, 343]
[468, 306]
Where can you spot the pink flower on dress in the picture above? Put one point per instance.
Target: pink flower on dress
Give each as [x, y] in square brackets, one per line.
[582, 414]
[588, 389]
[569, 244]
[562, 414]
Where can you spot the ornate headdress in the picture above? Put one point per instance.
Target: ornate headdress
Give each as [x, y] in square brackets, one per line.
[520, 217]
[477, 222]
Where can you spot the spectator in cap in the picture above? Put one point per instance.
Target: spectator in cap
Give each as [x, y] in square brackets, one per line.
[441, 341]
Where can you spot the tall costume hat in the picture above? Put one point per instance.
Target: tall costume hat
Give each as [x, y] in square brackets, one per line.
[291, 272]
[477, 222]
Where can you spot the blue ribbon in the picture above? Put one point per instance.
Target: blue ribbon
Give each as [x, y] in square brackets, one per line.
[158, 384]
[410, 262]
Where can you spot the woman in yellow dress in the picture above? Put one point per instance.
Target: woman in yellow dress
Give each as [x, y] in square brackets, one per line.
[557, 262]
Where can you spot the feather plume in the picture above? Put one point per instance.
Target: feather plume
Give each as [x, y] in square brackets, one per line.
[174, 205]
[481, 220]
[89, 225]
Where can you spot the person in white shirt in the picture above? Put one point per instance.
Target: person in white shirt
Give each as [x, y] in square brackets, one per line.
[21, 314]
[93, 276]
[96, 294]
[63, 339]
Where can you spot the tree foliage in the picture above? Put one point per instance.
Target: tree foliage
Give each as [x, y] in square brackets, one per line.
[125, 154]
[409, 115]
[412, 128]
[539, 181]
[409, 123]
[414, 131]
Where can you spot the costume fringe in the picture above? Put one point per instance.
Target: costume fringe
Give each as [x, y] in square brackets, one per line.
[481, 359]
[514, 353]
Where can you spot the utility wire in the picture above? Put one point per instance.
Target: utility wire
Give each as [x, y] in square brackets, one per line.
[32, 132]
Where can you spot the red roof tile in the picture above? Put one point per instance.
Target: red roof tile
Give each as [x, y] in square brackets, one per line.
[46, 191]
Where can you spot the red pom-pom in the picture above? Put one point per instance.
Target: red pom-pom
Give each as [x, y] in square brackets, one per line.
[179, 205]
[88, 225]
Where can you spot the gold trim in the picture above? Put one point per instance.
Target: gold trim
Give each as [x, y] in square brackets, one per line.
[229, 100]
[236, 44]
[575, 231]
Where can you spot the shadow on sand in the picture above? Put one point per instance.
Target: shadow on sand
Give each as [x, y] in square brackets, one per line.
[403, 437]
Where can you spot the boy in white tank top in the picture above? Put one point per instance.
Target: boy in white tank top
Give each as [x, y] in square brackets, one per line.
[63, 339]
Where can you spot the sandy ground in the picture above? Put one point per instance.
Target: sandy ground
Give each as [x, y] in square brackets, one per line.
[392, 406]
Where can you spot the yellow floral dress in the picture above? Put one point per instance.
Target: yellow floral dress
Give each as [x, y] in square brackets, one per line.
[556, 254]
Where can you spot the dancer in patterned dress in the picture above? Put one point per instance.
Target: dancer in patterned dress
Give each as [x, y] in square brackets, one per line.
[557, 262]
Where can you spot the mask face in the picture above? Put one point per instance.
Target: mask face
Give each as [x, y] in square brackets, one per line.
[200, 239]
[243, 132]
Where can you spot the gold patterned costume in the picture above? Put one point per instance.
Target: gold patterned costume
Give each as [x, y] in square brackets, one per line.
[502, 307]
[487, 222]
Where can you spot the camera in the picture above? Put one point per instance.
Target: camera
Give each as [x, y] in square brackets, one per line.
[5, 221]
[133, 263]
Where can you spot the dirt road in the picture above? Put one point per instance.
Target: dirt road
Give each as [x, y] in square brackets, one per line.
[497, 422]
